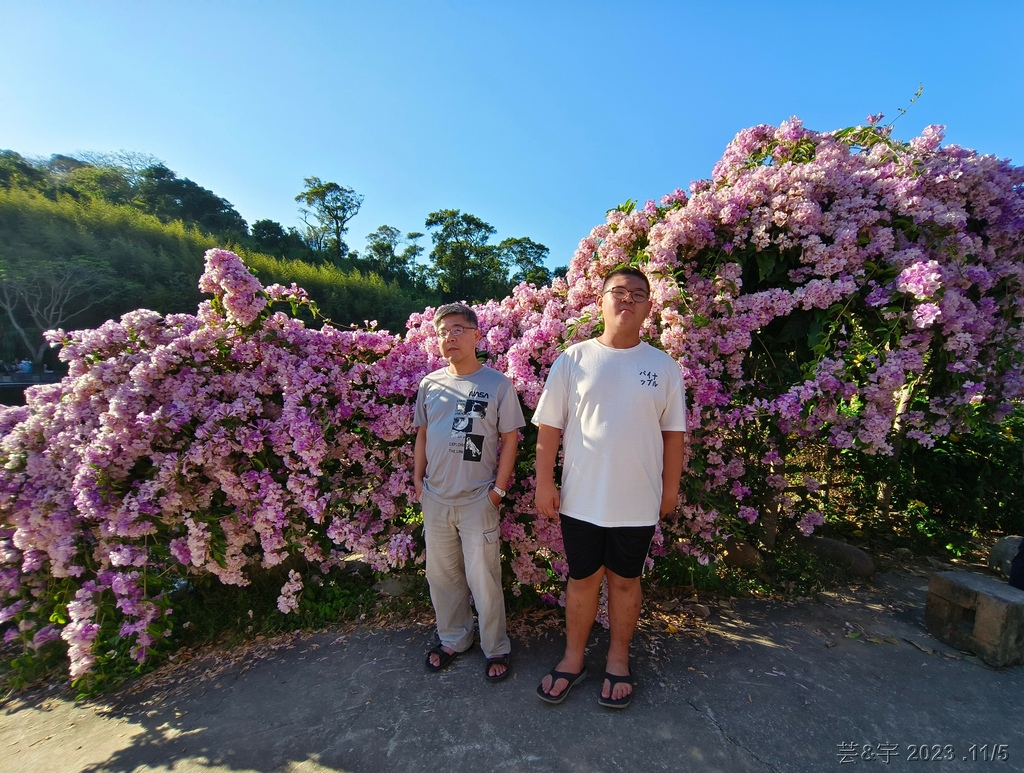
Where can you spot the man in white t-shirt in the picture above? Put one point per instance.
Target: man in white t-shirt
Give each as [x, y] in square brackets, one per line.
[618, 407]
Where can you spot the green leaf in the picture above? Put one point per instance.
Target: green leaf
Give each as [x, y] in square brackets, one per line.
[765, 264]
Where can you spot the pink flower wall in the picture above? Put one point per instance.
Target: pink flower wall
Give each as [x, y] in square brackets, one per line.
[821, 288]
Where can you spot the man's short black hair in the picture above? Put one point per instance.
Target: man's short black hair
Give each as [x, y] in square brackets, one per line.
[455, 308]
[627, 271]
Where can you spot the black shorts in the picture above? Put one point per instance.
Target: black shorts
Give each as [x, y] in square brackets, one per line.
[619, 549]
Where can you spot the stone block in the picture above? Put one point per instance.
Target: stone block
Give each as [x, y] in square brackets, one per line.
[848, 556]
[977, 613]
[741, 555]
[1002, 554]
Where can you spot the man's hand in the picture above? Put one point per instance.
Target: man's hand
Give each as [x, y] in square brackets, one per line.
[417, 489]
[547, 497]
[669, 501]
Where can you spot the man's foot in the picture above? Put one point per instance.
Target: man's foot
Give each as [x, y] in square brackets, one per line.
[498, 667]
[617, 691]
[440, 657]
[555, 686]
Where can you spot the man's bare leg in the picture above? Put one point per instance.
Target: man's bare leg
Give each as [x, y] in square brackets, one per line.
[623, 613]
[581, 600]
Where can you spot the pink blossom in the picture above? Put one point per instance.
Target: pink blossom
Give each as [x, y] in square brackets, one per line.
[288, 600]
[809, 522]
[925, 315]
[922, 279]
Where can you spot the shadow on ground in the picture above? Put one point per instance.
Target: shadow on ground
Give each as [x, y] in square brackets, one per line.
[845, 677]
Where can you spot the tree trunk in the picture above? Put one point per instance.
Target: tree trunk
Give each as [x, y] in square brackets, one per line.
[9, 307]
[884, 498]
[770, 521]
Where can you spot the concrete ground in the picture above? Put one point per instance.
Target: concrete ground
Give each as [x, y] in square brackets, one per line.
[846, 680]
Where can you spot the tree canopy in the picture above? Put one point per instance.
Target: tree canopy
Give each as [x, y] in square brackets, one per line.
[328, 208]
[138, 223]
[164, 194]
[467, 267]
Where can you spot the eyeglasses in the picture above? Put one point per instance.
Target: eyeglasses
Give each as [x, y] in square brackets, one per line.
[621, 293]
[454, 331]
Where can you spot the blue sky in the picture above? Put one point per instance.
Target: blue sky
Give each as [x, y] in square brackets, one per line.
[535, 116]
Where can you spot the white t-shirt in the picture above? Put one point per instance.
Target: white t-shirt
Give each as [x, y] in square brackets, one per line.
[612, 406]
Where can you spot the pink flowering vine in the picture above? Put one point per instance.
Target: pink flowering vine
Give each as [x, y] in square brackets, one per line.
[837, 290]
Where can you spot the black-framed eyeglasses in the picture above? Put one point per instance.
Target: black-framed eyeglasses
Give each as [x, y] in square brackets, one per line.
[454, 331]
[621, 293]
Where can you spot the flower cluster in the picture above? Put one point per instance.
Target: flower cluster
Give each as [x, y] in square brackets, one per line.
[820, 289]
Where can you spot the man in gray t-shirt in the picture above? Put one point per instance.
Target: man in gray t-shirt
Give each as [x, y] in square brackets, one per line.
[460, 477]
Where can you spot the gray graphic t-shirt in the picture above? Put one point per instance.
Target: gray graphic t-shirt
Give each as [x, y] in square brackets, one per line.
[464, 416]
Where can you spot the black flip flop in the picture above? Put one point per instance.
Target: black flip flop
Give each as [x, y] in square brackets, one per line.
[616, 703]
[572, 679]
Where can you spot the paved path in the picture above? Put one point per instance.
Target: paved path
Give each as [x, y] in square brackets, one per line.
[756, 686]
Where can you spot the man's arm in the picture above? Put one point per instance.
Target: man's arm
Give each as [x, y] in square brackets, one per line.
[547, 497]
[673, 463]
[506, 463]
[419, 462]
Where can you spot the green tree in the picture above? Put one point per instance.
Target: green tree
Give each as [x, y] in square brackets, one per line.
[17, 172]
[381, 254]
[466, 266]
[43, 295]
[330, 207]
[528, 257]
[109, 183]
[60, 165]
[411, 255]
[391, 255]
[132, 164]
[162, 193]
[270, 237]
